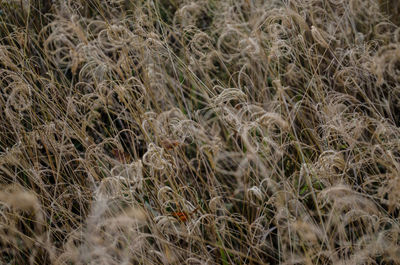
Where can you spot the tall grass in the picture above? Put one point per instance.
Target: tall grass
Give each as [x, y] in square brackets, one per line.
[199, 132]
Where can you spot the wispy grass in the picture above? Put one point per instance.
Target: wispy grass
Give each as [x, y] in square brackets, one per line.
[199, 132]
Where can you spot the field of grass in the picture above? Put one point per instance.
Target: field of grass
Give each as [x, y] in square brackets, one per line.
[199, 132]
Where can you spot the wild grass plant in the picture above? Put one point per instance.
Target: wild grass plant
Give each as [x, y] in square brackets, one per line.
[199, 132]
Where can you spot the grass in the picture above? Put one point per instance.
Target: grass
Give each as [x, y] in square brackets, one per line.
[199, 132]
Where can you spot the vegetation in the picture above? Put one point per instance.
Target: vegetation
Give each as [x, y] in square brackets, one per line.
[199, 132]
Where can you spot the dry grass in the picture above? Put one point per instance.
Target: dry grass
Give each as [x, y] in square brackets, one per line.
[199, 132]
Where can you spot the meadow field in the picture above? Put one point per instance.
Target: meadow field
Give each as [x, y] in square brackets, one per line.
[199, 132]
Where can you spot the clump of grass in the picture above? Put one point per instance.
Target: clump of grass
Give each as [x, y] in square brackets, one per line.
[199, 132]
